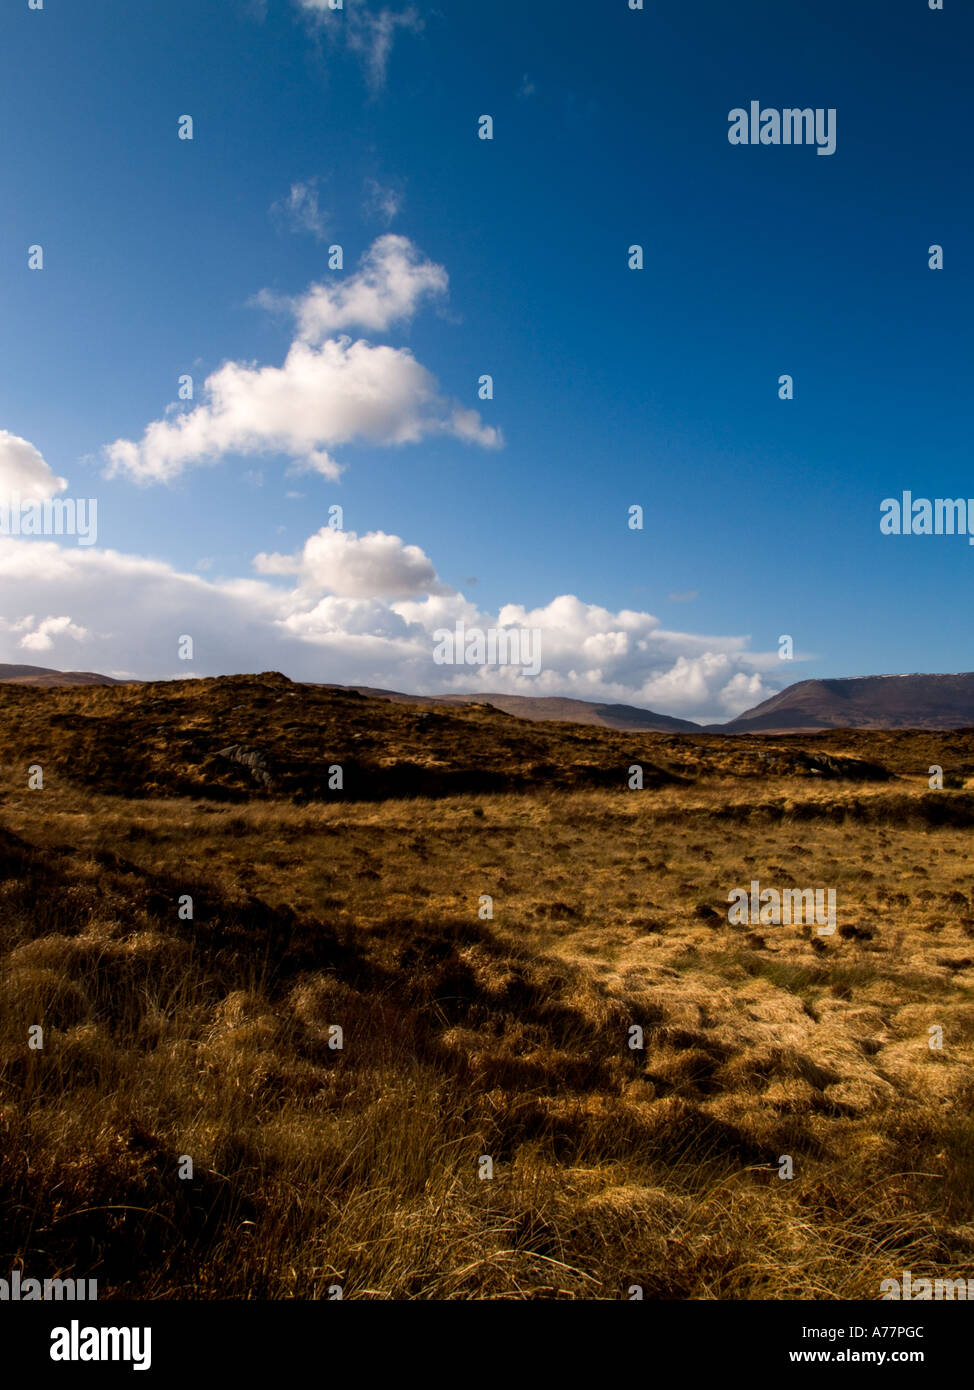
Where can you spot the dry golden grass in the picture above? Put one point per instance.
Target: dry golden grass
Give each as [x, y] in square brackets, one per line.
[466, 1037]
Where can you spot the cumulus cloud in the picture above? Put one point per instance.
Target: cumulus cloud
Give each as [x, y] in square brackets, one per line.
[356, 610]
[329, 392]
[743, 691]
[42, 637]
[368, 32]
[34, 636]
[342, 563]
[591, 652]
[392, 282]
[133, 610]
[23, 470]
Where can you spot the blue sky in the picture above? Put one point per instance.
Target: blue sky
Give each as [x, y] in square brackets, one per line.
[612, 386]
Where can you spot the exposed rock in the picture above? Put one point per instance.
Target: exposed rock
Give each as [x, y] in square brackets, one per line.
[252, 759]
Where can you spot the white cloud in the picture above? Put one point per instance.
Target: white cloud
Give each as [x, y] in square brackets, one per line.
[23, 470]
[382, 200]
[300, 210]
[590, 652]
[368, 33]
[342, 563]
[742, 692]
[134, 610]
[330, 391]
[341, 393]
[40, 637]
[393, 280]
[128, 613]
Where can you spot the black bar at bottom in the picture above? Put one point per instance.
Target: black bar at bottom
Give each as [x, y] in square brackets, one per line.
[192, 1340]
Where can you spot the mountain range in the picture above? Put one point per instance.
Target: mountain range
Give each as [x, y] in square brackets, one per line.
[863, 702]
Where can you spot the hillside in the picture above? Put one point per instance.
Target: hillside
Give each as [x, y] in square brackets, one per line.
[867, 702]
[468, 1037]
[870, 702]
[235, 736]
[45, 676]
[624, 717]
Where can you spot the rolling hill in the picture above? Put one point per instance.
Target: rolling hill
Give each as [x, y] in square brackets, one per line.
[865, 702]
[45, 676]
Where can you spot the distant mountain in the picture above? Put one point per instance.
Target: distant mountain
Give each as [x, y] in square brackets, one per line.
[43, 675]
[623, 717]
[864, 702]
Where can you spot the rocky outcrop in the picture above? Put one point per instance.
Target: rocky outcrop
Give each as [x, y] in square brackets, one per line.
[253, 760]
